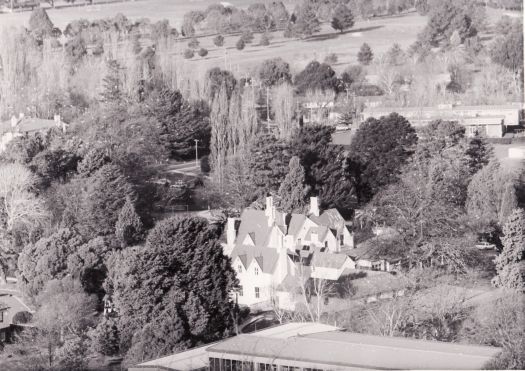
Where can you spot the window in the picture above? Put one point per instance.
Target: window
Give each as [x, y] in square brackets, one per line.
[257, 293]
[267, 367]
[341, 240]
[240, 290]
[239, 268]
[299, 242]
[1, 316]
[256, 271]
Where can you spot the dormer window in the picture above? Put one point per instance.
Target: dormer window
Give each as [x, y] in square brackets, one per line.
[256, 271]
[341, 240]
[239, 268]
[326, 244]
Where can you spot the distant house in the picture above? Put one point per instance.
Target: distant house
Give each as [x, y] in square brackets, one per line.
[370, 255]
[487, 121]
[19, 126]
[269, 248]
[13, 312]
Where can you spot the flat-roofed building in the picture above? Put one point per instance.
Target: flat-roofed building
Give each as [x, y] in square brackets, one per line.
[488, 121]
[311, 346]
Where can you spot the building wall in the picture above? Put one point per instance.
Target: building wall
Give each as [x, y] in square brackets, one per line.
[249, 281]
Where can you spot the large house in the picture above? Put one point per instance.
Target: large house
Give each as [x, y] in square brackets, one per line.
[21, 125]
[487, 121]
[271, 250]
[315, 346]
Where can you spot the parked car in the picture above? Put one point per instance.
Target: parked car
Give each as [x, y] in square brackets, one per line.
[484, 245]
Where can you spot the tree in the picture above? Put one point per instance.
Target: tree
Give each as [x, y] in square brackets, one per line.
[283, 107]
[94, 159]
[46, 259]
[267, 164]
[342, 19]
[220, 142]
[508, 51]
[293, 191]
[189, 53]
[240, 44]
[395, 55]
[265, 40]
[306, 21]
[106, 193]
[510, 262]
[113, 89]
[194, 43]
[53, 165]
[274, 71]
[279, 13]
[218, 41]
[76, 49]
[203, 52]
[128, 229]
[106, 337]
[365, 55]
[380, 148]
[193, 280]
[316, 76]
[40, 25]
[215, 78]
[72, 354]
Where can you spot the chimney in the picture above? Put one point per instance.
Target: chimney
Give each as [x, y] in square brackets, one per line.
[314, 206]
[231, 233]
[14, 121]
[270, 211]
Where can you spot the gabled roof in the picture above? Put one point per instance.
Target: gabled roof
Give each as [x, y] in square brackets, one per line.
[375, 248]
[28, 124]
[256, 222]
[296, 222]
[328, 218]
[328, 260]
[266, 257]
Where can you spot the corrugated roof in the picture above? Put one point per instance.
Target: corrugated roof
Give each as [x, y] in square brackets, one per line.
[343, 349]
[28, 124]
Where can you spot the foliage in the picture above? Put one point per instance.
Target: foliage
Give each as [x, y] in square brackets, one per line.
[265, 40]
[106, 337]
[247, 37]
[203, 52]
[194, 43]
[46, 259]
[306, 21]
[342, 19]
[353, 75]
[396, 55]
[292, 192]
[218, 41]
[274, 71]
[216, 77]
[240, 44]
[72, 354]
[365, 55]
[380, 148]
[94, 159]
[128, 229]
[510, 262]
[330, 59]
[316, 76]
[41, 26]
[54, 165]
[508, 50]
[189, 53]
[183, 260]
[267, 164]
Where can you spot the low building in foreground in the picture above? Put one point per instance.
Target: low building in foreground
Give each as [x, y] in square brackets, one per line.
[487, 121]
[314, 346]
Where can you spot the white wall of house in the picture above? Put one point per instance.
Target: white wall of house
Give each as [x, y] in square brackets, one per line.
[250, 279]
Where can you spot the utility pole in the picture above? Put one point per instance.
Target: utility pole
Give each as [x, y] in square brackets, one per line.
[268, 108]
[196, 152]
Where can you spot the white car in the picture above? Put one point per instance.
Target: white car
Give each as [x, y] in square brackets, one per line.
[484, 245]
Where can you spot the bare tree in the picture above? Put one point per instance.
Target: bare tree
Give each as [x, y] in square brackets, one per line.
[284, 109]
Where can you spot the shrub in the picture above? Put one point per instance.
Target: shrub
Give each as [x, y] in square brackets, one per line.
[188, 54]
[240, 44]
[265, 40]
[205, 164]
[203, 52]
[330, 59]
[218, 41]
[194, 43]
[247, 36]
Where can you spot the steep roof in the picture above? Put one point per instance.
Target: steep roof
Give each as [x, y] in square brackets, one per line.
[256, 222]
[266, 257]
[28, 124]
[374, 249]
[328, 218]
[328, 260]
[296, 222]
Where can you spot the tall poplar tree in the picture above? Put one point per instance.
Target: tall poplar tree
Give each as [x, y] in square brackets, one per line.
[220, 135]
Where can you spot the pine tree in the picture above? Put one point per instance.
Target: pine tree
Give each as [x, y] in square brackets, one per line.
[128, 229]
[292, 192]
[112, 83]
[106, 337]
[306, 22]
[395, 55]
[365, 55]
[343, 18]
[510, 262]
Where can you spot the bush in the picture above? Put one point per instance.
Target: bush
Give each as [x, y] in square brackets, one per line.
[265, 40]
[240, 44]
[203, 52]
[188, 54]
[205, 164]
[330, 59]
[194, 43]
[218, 41]
[247, 37]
